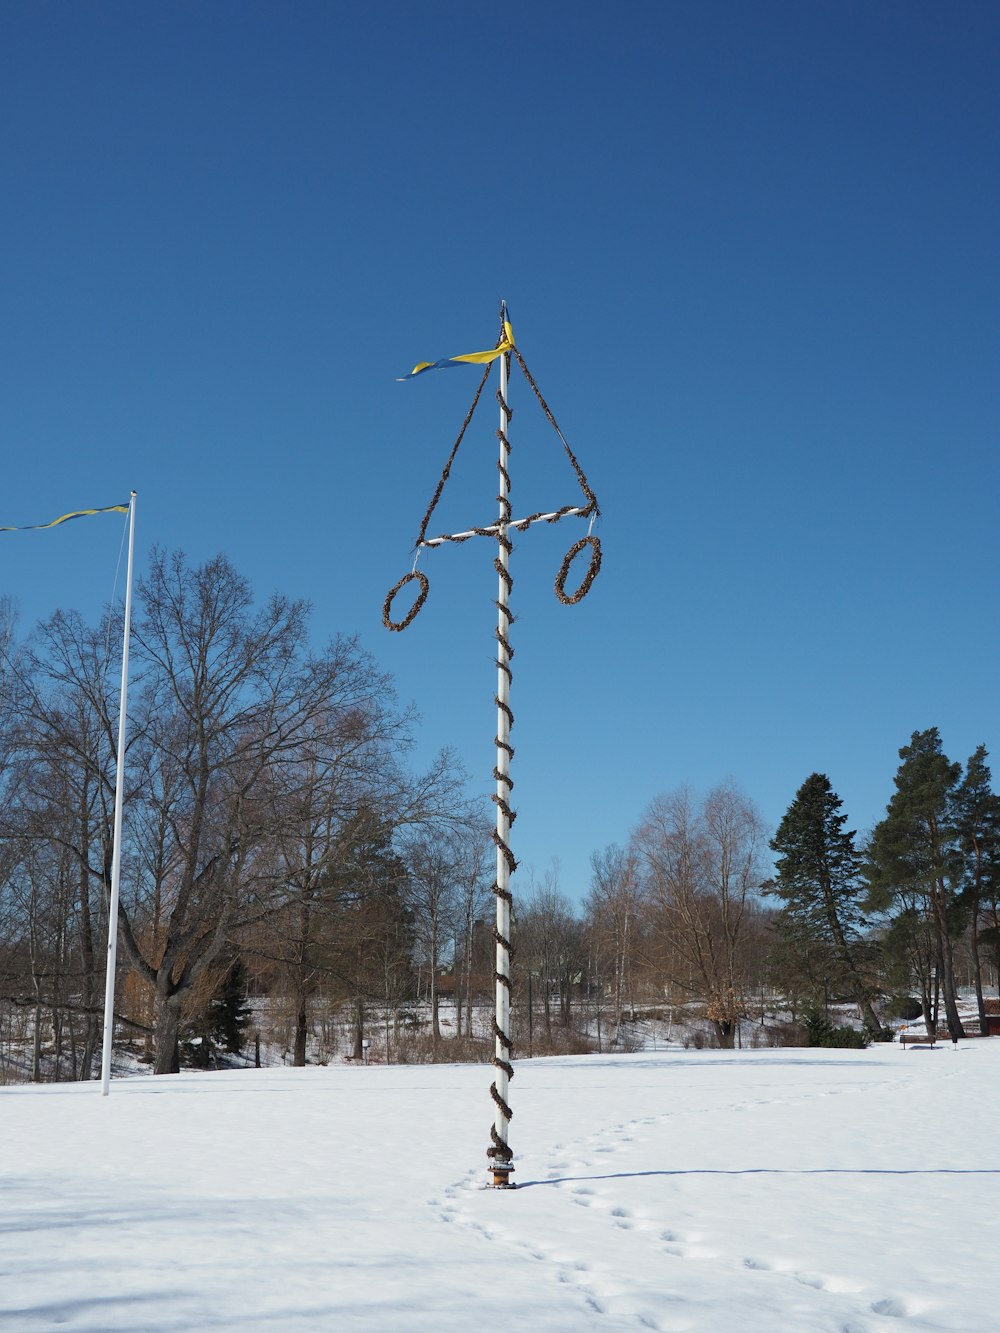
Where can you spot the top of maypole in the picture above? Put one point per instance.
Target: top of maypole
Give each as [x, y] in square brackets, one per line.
[507, 349]
[506, 339]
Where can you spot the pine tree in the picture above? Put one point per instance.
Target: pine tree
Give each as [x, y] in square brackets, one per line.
[977, 818]
[819, 880]
[915, 859]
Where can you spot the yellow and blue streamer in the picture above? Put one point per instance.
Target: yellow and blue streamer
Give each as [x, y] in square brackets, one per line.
[469, 358]
[65, 518]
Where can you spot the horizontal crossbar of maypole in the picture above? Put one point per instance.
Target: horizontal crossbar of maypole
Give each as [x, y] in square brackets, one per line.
[519, 525]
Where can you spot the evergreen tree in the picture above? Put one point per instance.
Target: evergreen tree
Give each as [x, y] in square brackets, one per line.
[222, 1023]
[228, 1011]
[977, 818]
[915, 859]
[819, 881]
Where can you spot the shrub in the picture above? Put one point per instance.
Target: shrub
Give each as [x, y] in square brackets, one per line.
[561, 1041]
[905, 1007]
[629, 1039]
[849, 1039]
[821, 1032]
[882, 1034]
[783, 1034]
[421, 1050]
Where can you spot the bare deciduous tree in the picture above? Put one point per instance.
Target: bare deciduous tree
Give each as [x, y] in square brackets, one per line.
[615, 909]
[703, 870]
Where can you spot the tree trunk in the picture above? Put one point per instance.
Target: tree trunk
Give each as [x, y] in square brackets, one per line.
[36, 1046]
[301, 1032]
[467, 968]
[435, 1017]
[977, 967]
[89, 981]
[89, 1047]
[865, 1010]
[725, 1031]
[955, 1029]
[166, 1034]
[303, 945]
[947, 967]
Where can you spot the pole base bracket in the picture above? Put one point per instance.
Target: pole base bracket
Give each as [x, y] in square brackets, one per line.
[500, 1173]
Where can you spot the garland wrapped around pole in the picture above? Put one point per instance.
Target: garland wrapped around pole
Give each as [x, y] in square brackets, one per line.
[499, 1153]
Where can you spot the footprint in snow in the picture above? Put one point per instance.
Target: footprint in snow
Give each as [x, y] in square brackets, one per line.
[811, 1280]
[891, 1306]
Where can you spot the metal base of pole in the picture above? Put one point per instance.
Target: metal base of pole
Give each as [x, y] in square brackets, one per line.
[501, 1178]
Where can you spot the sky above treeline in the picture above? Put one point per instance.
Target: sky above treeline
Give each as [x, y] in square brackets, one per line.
[750, 257]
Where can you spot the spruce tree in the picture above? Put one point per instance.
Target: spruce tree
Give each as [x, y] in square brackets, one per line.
[915, 858]
[229, 1013]
[977, 820]
[819, 880]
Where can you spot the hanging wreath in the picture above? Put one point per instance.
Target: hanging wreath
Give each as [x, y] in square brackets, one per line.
[408, 619]
[570, 599]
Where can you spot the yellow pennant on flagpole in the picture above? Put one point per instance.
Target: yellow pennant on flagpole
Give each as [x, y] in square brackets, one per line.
[65, 518]
[469, 358]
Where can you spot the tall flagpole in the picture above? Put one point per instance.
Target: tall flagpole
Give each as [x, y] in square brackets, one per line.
[500, 1155]
[116, 853]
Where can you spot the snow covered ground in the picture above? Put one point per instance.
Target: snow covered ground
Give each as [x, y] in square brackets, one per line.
[746, 1192]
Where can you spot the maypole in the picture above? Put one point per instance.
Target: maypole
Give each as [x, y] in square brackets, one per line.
[116, 851]
[499, 1153]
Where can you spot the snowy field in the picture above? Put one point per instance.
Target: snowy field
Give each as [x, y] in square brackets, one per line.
[744, 1192]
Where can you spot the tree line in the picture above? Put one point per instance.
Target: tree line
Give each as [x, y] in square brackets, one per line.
[279, 850]
[272, 824]
[690, 910]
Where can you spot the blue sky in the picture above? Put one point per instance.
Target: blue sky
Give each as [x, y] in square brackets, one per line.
[750, 255]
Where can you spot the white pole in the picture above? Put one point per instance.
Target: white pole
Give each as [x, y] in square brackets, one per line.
[501, 1158]
[116, 853]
